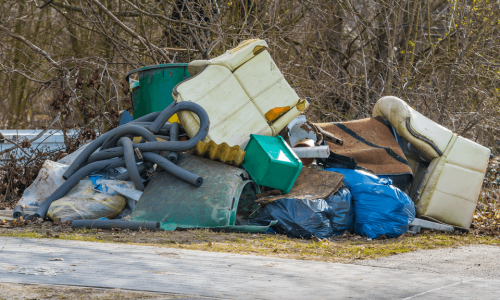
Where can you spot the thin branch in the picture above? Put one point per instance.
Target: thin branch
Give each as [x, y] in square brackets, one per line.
[32, 47]
[149, 14]
[79, 9]
[16, 145]
[128, 30]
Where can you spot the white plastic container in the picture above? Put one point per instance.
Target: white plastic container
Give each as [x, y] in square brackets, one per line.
[243, 92]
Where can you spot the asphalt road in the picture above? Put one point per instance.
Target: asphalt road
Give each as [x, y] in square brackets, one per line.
[210, 275]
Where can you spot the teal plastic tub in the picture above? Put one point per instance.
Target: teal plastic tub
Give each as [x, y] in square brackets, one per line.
[271, 162]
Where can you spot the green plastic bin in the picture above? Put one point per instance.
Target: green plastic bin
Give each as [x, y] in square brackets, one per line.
[271, 162]
[154, 92]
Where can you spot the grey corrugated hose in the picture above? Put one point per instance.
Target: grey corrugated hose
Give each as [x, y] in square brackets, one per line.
[117, 150]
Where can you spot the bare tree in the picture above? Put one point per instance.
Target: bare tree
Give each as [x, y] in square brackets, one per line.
[441, 56]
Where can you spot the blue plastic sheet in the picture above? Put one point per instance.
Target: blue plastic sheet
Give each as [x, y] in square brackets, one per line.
[379, 208]
[305, 218]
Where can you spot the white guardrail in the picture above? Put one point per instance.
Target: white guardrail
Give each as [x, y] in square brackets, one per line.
[51, 140]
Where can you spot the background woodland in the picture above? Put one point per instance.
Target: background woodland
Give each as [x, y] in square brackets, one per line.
[69, 57]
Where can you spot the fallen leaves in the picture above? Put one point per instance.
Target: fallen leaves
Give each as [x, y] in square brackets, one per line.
[487, 216]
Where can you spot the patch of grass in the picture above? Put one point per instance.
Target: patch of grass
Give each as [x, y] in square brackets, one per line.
[345, 248]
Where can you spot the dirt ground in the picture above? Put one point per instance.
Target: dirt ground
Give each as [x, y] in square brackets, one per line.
[49, 292]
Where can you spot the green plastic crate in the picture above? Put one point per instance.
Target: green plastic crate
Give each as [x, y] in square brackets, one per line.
[271, 162]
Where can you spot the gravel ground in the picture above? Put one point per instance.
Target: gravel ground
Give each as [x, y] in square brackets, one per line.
[476, 261]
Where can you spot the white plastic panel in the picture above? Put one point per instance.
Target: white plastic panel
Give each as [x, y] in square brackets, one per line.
[451, 209]
[468, 154]
[226, 96]
[264, 83]
[224, 101]
[235, 57]
[199, 86]
[236, 129]
[460, 182]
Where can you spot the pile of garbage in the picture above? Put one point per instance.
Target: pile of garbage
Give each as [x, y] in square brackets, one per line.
[231, 150]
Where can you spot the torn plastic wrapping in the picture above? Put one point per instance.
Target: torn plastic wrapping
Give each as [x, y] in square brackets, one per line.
[113, 187]
[83, 202]
[305, 218]
[379, 208]
[50, 178]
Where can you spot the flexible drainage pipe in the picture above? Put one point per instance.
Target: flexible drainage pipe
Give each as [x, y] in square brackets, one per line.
[118, 132]
[168, 166]
[108, 224]
[126, 175]
[174, 137]
[104, 158]
[128, 153]
[80, 159]
[18, 211]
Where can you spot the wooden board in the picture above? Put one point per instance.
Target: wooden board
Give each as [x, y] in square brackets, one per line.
[311, 184]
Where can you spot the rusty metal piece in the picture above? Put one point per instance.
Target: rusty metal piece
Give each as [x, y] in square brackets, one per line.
[223, 153]
[329, 137]
[298, 130]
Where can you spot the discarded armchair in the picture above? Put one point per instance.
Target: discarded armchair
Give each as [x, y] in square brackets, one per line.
[448, 169]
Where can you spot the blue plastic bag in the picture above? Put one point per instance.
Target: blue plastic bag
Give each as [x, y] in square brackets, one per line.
[305, 218]
[379, 208]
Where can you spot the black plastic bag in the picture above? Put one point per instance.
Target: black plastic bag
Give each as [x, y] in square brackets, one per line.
[340, 211]
[305, 218]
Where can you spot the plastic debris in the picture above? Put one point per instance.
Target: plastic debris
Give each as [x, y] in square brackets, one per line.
[312, 152]
[88, 192]
[271, 162]
[87, 204]
[243, 92]
[220, 152]
[305, 218]
[379, 208]
[225, 199]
